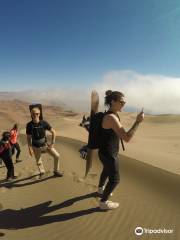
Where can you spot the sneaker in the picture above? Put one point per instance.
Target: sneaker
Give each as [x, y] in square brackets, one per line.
[108, 205]
[8, 179]
[101, 190]
[58, 174]
[11, 178]
[41, 174]
[14, 177]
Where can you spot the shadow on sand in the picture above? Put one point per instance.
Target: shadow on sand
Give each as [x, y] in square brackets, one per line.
[34, 216]
[17, 183]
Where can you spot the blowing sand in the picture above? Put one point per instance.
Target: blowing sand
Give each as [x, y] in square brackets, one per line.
[67, 208]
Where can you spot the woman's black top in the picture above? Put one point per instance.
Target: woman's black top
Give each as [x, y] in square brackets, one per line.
[109, 141]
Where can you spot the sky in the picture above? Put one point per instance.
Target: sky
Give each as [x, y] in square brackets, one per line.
[73, 46]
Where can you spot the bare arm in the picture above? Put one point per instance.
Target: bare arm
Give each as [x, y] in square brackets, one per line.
[29, 140]
[53, 132]
[112, 121]
[29, 144]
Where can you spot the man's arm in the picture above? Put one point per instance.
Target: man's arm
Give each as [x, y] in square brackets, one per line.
[29, 142]
[53, 139]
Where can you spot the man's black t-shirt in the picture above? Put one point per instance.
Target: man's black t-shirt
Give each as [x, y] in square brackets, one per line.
[38, 132]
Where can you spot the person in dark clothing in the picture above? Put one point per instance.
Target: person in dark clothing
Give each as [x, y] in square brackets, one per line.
[6, 154]
[14, 142]
[37, 141]
[112, 131]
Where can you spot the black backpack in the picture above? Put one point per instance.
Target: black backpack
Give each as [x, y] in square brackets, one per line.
[95, 129]
[94, 138]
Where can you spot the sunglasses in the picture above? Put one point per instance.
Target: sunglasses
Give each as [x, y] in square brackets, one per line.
[122, 102]
[36, 114]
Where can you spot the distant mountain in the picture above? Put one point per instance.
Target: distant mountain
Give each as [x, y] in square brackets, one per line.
[33, 96]
[12, 111]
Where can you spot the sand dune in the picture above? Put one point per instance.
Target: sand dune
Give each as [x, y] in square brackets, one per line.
[67, 208]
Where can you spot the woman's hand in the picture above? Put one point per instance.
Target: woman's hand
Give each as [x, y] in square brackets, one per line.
[140, 117]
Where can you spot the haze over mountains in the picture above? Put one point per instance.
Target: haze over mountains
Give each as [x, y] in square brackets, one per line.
[31, 96]
[12, 111]
[69, 99]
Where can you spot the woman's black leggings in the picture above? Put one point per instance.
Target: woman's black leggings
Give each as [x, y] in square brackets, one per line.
[18, 150]
[110, 171]
[9, 165]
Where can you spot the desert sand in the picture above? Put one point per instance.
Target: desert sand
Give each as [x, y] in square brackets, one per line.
[67, 208]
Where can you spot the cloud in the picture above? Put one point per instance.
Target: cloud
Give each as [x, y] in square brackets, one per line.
[156, 93]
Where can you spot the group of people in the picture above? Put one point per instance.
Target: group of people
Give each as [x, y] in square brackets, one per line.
[37, 144]
[111, 132]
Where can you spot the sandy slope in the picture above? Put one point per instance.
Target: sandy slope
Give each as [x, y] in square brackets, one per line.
[66, 208]
[156, 142]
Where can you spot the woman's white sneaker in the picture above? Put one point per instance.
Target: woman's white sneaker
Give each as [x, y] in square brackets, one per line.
[108, 205]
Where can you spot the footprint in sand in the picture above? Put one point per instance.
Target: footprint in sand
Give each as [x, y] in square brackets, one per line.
[78, 179]
[72, 173]
[3, 190]
[24, 168]
[92, 175]
[75, 177]
[31, 173]
[95, 201]
[2, 234]
[91, 187]
[20, 174]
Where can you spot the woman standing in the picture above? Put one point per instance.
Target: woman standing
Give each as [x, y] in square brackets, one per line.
[15, 144]
[6, 155]
[112, 131]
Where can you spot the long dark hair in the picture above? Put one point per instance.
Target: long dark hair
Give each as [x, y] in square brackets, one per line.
[112, 95]
[6, 135]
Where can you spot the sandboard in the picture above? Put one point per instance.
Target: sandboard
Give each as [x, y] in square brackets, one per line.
[93, 110]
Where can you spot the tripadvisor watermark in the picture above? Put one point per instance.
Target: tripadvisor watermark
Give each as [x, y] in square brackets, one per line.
[140, 231]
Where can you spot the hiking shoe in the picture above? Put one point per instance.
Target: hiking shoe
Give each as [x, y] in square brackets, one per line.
[11, 178]
[108, 205]
[8, 179]
[14, 177]
[101, 190]
[58, 174]
[41, 174]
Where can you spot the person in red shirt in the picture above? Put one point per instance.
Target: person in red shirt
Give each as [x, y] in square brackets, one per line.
[15, 144]
[6, 155]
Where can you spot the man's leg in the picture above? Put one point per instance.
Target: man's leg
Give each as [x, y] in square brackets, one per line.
[55, 155]
[37, 154]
